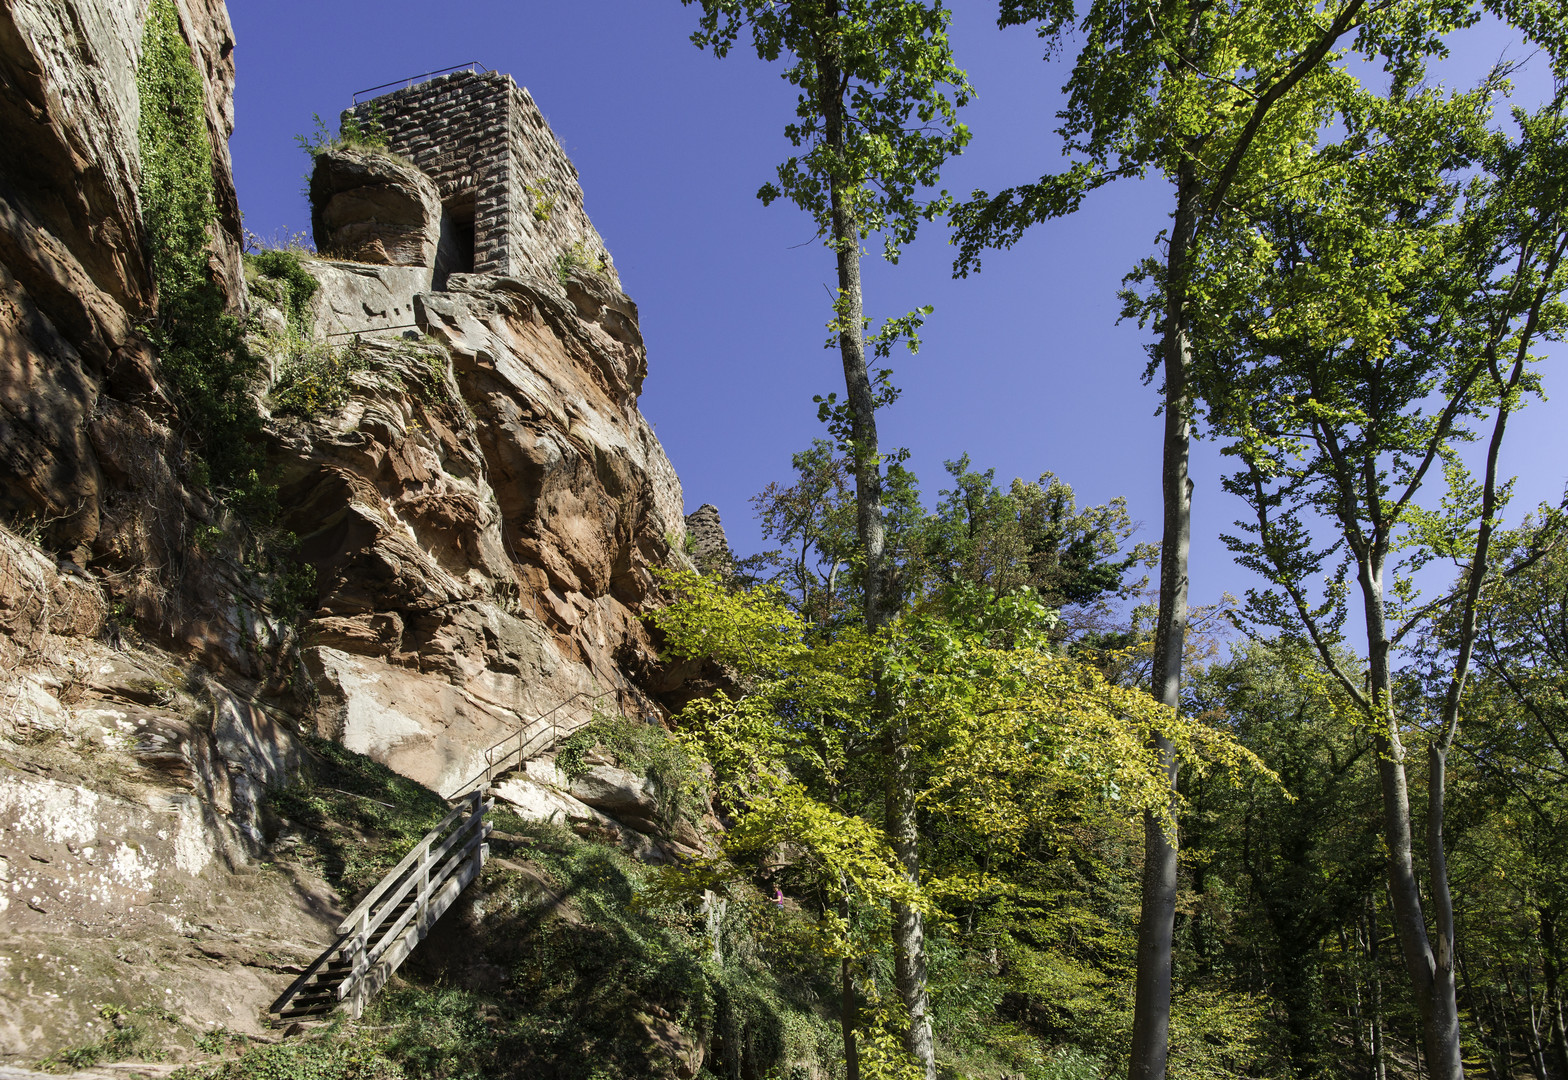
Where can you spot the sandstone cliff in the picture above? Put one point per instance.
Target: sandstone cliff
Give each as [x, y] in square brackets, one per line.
[482, 507]
[484, 513]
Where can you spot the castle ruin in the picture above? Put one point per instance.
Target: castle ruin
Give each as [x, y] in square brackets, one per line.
[510, 202]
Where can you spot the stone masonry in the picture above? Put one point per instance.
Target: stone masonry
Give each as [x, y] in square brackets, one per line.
[511, 198]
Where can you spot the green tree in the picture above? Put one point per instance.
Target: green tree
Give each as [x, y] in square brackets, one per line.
[875, 120]
[1225, 101]
[1031, 534]
[1013, 741]
[1378, 316]
[1515, 741]
[1279, 870]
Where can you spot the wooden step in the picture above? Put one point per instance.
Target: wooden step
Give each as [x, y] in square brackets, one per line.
[294, 1012]
[461, 856]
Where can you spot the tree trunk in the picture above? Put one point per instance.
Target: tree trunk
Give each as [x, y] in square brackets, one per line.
[909, 934]
[902, 828]
[1157, 918]
[1431, 971]
[1379, 1060]
[1551, 967]
[849, 310]
[849, 1017]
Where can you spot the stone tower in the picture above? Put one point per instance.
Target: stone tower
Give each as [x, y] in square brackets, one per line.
[511, 203]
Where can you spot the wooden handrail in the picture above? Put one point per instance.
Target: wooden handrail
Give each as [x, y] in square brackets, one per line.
[368, 924]
[392, 876]
[435, 871]
[438, 878]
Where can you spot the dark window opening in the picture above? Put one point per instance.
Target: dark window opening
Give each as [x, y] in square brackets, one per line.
[455, 250]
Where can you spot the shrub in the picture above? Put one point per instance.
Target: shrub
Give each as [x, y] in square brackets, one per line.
[201, 346]
[296, 285]
[353, 134]
[580, 259]
[677, 776]
[314, 377]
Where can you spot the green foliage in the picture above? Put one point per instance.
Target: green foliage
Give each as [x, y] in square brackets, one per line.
[897, 81]
[353, 134]
[543, 199]
[1011, 739]
[291, 583]
[580, 259]
[295, 285]
[314, 377]
[329, 1055]
[201, 346]
[575, 972]
[356, 818]
[645, 749]
[1029, 535]
[1033, 535]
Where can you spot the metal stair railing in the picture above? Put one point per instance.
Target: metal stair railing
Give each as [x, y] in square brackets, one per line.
[527, 742]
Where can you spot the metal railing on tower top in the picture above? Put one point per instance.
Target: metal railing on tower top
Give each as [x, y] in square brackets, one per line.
[412, 80]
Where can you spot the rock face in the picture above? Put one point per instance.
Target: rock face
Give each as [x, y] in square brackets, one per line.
[709, 547]
[479, 499]
[374, 208]
[483, 516]
[131, 811]
[87, 432]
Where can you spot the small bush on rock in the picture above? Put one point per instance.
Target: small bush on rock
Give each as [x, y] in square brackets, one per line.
[647, 749]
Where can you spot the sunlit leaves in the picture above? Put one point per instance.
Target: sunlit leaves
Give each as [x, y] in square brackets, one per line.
[898, 94]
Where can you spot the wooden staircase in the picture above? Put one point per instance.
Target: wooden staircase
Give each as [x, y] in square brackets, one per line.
[378, 935]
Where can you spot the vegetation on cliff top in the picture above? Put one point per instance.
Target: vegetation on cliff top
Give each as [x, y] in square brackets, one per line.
[200, 344]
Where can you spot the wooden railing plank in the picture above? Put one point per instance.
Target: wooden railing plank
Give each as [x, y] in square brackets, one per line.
[391, 877]
[435, 871]
[377, 975]
[391, 899]
[419, 910]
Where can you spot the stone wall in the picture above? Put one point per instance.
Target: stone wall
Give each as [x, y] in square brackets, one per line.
[490, 151]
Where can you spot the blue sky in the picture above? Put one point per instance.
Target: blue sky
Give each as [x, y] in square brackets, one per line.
[1024, 366]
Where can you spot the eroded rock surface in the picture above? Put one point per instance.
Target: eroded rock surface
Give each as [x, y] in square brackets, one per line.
[372, 207]
[134, 865]
[92, 448]
[484, 515]
[483, 508]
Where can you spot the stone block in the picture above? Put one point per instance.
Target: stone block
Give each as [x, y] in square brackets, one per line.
[374, 208]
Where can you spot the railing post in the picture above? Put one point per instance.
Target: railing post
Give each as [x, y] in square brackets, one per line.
[358, 970]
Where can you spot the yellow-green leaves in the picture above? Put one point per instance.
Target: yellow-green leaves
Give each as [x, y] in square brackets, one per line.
[753, 631]
[1008, 736]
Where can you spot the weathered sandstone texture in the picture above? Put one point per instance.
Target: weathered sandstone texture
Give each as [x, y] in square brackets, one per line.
[93, 458]
[133, 859]
[484, 515]
[483, 509]
[374, 208]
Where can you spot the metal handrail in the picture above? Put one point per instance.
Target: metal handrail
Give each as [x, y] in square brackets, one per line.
[472, 65]
[496, 762]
